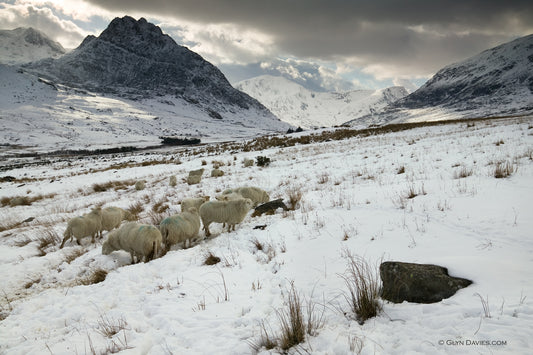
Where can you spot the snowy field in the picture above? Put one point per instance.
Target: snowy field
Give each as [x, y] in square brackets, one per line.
[354, 198]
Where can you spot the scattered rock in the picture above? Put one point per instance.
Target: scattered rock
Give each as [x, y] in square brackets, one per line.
[420, 283]
[269, 207]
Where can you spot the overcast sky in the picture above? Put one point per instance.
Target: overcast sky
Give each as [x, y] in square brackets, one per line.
[324, 44]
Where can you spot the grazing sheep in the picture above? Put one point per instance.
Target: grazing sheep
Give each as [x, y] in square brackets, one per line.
[253, 193]
[139, 185]
[229, 196]
[180, 228]
[195, 176]
[217, 173]
[89, 224]
[173, 181]
[230, 212]
[248, 162]
[112, 217]
[141, 240]
[193, 202]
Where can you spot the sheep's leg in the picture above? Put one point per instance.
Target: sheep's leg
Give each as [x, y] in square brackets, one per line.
[206, 228]
[78, 241]
[132, 257]
[63, 242]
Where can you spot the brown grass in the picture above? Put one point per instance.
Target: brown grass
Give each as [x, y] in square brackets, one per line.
[293, 325]
[115, 185]
[135, 209]
[14, 201]
[504, 169]
[211, 259]
[49, 239]
[295, 195]
[462, 173]
[96, 276]
[363, 283]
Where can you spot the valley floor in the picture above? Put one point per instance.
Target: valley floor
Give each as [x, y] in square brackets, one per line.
[425, 195]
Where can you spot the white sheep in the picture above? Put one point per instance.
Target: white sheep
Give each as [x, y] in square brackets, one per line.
[139, 185]
[112, 217]
[141, 240]
[230, 212]
[255, 194]
[229, 196]
[180, 228]
[193, 202]
[173, 181]
[195, 176]
[89, 224]
[217, 173]
[248, 162]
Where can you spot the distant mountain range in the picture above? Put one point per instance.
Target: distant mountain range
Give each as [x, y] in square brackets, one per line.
[133, 83]
[496, 82]
[299, 106]
[23, 45]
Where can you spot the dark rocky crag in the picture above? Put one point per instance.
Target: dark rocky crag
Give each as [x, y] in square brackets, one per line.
[136, 59]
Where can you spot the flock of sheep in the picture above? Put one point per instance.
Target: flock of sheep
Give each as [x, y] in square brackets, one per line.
[146, 242]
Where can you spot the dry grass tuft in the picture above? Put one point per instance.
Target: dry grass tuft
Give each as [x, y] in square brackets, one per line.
[96, 276]
[135, 209]
[295, 196]
[73, 254]
[504, 169]
[293, 325]
[464, 172]
[363, 283]
[211, 259]
[109, 328]
[49, 239]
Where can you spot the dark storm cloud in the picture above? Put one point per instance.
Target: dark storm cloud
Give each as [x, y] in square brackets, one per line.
[418, 36]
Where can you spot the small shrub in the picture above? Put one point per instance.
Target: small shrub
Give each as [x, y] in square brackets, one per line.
[362, 281]
[401, 170]
[262, 161]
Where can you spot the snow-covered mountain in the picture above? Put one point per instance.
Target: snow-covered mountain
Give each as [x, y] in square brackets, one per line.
[498, 81]
[135, 59]
[23, 45]
[299, 106]
[128, 86]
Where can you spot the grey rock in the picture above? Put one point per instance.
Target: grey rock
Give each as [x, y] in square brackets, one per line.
[419, 283]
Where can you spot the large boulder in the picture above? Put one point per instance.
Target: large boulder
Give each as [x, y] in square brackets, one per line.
[420, 283]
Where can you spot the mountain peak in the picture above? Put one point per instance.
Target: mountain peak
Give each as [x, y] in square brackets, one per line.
[135, 59]
[27, 44]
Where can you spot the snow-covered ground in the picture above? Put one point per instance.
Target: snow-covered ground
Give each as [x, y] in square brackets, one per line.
[41, 117]
[353, 199]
